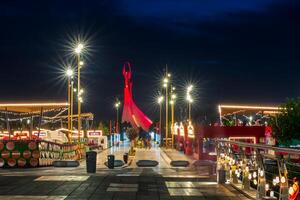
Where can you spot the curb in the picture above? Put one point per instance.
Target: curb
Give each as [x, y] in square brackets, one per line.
[241, 191]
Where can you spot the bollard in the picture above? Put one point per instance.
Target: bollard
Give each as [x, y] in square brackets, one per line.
[125, 158]
[110, 161]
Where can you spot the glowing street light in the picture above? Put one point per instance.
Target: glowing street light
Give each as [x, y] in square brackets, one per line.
[189, 99]
[78, 50]
[172, 102]
[159, 101]
[117, 105]
[69, 74]
[165, 85]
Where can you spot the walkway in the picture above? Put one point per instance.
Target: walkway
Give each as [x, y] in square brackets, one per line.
[158, 183]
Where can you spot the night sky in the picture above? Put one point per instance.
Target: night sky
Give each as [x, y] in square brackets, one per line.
[234, 51]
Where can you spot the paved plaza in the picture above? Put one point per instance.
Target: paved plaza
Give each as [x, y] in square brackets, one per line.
[128, 182]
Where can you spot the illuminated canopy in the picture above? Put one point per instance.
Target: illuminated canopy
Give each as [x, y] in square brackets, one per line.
[32, 107]
[235, 109]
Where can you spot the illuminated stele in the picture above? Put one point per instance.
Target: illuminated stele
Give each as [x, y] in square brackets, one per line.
[175, 129]
[191, 133]
[181, 129]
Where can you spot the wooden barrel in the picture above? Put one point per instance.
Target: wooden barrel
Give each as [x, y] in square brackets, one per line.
[26, 154]
[16, 154]
[34, 162]
[35, 154]
[1, 146]
[2, 162]
[5, 154]
[10, 146]
[21, 162]
[32, 145]
[11, 162]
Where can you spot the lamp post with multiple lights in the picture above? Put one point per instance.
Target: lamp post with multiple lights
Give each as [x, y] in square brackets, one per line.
[78, 51]
[117, 105]
[159, 101]
[166, 83]
[172, 102]
[189, 99]
[69, 74]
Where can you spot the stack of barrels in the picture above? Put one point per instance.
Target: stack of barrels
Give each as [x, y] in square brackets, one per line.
[19, 154]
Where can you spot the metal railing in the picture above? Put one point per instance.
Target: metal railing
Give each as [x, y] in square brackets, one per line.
[262, 171]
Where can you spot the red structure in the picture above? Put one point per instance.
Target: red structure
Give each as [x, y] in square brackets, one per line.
[131, 113]
[200, 147]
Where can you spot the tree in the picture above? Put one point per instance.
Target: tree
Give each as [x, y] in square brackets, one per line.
[132, 134]
[104, 128]
[286, 124]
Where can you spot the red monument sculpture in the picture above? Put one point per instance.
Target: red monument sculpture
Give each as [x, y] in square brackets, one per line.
[131, 113]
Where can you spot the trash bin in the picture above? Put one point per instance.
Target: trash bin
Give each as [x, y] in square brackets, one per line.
[91, 160]
[221, 176]
[110, 161]
[125, 158]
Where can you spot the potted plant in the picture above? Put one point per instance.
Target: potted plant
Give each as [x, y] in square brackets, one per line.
[132, 134]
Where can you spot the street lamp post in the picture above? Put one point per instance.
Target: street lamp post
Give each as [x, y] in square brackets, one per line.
[117, 105]
[72, 108]
[78, 50]
[69, 74]
[172, 102]
[166, 83]
[189, 99]
[160, 100]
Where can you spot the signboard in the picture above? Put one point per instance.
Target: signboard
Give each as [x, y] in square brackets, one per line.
[42, 133]
[21, 133]
[96, 133]
[75, 134]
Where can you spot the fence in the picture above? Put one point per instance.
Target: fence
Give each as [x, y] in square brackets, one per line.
[261, 171]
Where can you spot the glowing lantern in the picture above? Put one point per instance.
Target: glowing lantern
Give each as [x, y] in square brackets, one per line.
[261, 173]
[254, 174]
[267, 187]
[249, 176]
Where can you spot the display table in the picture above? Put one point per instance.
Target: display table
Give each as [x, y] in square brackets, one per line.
[37, 153]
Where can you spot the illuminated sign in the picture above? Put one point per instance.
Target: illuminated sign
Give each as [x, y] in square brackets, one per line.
[42, 133]
[191, 132]
[4, 133]
[75, 134]
[21, 133]
[181, 129]
[95, 133]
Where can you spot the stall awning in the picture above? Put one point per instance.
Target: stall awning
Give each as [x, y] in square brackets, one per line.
[32, 107]
[235, 109]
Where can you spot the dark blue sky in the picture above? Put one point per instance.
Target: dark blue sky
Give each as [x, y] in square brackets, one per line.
[237, 51]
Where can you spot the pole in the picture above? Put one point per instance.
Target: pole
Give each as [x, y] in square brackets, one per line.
[78, 93]
[161, 138]
[167, 114]
[117, 123]
[69, 110]
[172, 122]
[7, 123]
[40, 122]
[189, 111]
